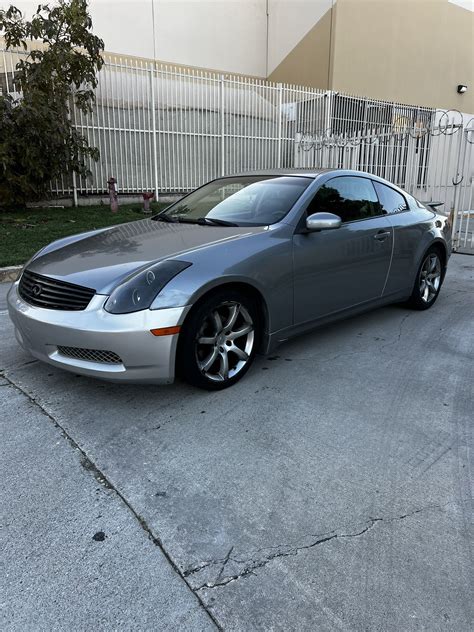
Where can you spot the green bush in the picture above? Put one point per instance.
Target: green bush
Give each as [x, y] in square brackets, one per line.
[38, 142]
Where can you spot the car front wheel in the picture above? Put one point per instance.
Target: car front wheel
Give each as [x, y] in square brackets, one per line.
[219, 340]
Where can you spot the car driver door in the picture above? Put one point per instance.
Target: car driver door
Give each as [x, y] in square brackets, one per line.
[343, 267]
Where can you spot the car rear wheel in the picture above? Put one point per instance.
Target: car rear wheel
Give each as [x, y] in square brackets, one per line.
[219, 340]
[428, 281]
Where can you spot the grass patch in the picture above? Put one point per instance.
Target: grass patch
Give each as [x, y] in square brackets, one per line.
[24, 232]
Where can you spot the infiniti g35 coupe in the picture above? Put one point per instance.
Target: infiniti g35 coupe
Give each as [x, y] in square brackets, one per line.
[237, 266]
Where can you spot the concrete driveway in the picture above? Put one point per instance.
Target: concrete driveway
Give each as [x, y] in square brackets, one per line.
[329, 490]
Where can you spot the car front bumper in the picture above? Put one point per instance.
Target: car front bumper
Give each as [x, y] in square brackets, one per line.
[143, 356]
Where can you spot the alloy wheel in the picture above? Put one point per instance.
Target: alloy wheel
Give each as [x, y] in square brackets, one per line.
[225, 341]
[430, 277]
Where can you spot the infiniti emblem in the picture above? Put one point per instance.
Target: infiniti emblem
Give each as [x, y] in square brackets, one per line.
[36, 290]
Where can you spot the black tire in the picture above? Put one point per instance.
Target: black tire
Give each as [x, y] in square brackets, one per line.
[426, 290]
[202, 324]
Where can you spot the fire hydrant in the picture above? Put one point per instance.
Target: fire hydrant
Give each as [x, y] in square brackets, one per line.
[147, 198]
[113, 195]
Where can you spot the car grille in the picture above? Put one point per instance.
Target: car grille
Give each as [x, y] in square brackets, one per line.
[90, 355]
[53, 294]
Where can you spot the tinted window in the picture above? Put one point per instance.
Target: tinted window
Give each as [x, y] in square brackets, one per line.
[245, 201]
[351, 198]
[391, 200]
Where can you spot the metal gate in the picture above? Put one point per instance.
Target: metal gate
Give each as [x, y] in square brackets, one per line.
[463, 183]
[432, 159]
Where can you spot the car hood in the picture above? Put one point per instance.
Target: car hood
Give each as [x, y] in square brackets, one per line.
[101, 260]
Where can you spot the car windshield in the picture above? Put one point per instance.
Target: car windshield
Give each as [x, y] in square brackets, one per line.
[238, 201]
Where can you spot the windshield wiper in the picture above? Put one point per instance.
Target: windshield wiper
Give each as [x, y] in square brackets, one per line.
[164, 218]
[203, 221]
[215, 221]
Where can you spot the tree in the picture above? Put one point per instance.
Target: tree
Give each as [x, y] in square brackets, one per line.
[38, 142]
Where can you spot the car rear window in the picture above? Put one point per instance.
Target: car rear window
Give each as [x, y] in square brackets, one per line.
[391, 200]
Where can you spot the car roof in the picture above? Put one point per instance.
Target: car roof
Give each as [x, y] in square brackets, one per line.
[309, 172]
[314, 172]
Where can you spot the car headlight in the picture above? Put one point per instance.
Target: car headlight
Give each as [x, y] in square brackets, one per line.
[138, 292]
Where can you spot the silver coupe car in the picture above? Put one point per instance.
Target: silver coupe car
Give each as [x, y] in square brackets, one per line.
[235, 267]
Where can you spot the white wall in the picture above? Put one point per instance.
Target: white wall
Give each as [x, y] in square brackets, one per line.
[465, 4]
[289, 22]
[126, 26]
[227, 35]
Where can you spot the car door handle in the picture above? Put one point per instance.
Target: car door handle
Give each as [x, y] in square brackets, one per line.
[382, 234]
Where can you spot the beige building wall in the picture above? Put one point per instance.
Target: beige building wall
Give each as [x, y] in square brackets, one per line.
[308, 61]
[299, 33]
[413, 51]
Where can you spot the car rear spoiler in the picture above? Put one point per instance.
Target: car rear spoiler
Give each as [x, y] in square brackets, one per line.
[434, 204]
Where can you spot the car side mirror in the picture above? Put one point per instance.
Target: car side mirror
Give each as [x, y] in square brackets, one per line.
[322, 221]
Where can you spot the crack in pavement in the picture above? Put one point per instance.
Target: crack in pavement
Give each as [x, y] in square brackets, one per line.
[89, 465]
[224, 563]
[398, 337]
[247, 565]
[253, 562]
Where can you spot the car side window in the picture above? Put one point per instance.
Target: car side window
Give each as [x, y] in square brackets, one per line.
[391, 200]
[351, 197]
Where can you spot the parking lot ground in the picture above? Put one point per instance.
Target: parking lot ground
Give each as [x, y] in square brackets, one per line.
[328, 490]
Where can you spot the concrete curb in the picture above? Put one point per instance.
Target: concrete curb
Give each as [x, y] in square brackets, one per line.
[10, 274]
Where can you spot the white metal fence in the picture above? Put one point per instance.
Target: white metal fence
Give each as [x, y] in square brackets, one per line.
[170, 129]
[434, 162]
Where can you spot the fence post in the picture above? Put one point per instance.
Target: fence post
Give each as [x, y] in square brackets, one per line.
[153, 127]
[74, 189]
[280, 105]
[328, 112]
[222, 95]
[74, 181]
[457, 183]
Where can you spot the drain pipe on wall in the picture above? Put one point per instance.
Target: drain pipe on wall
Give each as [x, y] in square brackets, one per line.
[267, 38]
